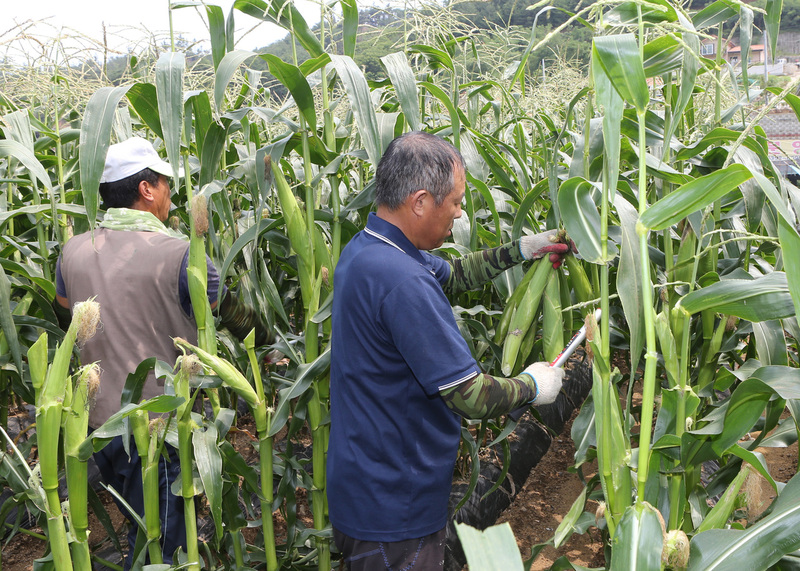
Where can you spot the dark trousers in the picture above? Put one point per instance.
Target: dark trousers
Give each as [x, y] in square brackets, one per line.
[421, 554]
[125, 476]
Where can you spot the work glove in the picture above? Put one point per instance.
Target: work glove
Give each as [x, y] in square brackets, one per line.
[538, 245]
[548, 381]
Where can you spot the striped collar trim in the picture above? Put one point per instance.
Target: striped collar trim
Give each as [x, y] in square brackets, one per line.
[383, 238]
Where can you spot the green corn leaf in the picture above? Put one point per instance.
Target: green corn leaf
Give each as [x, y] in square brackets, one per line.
[94, 141]
[758, 299]
[306, 375]
[714, 14]
[581, 218]
[653, 12]
[294, 80]
[209, 466]
[285, 15]
[7, 321]
[18, 151]
[358, 93]
[216, 28]
[619, 56]
[638, 540]
[745, 39]
[405, 86]
[566, 528]
[772, 21]
[757, 547]
[143, 97]
[349, 26]
[435, 57]
[227, 67]
[771, 343]
[790, 242]
[662, 55]
[493, 549]
[629, 278]
[169, 85]
[694, 196]
[211, 154]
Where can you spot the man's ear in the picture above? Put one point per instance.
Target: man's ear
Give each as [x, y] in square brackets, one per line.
[417, 201]
[145, 191]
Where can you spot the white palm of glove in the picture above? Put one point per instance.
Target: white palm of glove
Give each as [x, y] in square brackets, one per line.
[536, 246]
[548, 382]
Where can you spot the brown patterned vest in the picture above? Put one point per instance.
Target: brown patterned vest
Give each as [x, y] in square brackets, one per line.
[134, 277]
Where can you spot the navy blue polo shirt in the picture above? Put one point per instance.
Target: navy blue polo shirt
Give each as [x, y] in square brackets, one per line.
[395, 344]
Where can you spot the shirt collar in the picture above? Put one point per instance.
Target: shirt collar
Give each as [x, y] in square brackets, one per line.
[380, 229]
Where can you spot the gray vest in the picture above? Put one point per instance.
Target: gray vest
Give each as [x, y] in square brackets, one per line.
[134, 277]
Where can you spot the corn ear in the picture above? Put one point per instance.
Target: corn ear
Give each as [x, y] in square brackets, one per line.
[37, 361]
[501, 331]
[524, 314]
[229, 374]
[552, 322]
[579, 280]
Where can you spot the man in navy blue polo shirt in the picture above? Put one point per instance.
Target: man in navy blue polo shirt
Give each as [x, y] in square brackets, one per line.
[402, 376]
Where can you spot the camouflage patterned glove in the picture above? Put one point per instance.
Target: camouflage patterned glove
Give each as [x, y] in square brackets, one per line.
[548, 382]
[538, 245]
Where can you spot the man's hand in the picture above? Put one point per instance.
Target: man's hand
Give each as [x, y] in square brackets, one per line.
[539, 245]
[548, 381]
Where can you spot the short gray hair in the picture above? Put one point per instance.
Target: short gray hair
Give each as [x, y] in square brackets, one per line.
[414, 161]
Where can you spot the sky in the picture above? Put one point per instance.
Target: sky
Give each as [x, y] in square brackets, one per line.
[128, 22]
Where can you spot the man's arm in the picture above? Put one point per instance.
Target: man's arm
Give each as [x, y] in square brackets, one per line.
[484, 396]
[239, 318]
[475, 269]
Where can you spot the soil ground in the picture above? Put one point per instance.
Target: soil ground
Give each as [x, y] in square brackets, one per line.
[534, 515]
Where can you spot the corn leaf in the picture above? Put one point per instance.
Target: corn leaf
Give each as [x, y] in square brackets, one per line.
[757, 547]
[358, 93]
[7, 321]
[745, 39]
[662, 55]
[493, 549]
[694, 196]
[227, 67]
[209, 465]
[758, 299]
[714, 14]
[144, 100]
[629, 278]
[94, 141]
[169, 85]
[405, 86]
[772, 21]
[216, 28]
[294, 80]
[581, 218]
[285, 15]
[619, 56]
[349, 26]
[790, 242]
[638, 540]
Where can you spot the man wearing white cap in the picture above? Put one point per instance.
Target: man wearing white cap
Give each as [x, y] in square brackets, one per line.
[136, 268]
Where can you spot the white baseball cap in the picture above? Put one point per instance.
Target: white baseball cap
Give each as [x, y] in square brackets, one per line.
[132, 156]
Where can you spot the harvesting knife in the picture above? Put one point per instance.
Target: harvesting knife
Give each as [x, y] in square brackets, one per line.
[559, 361]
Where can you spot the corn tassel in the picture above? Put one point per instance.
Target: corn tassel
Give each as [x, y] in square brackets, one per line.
[524, 314]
